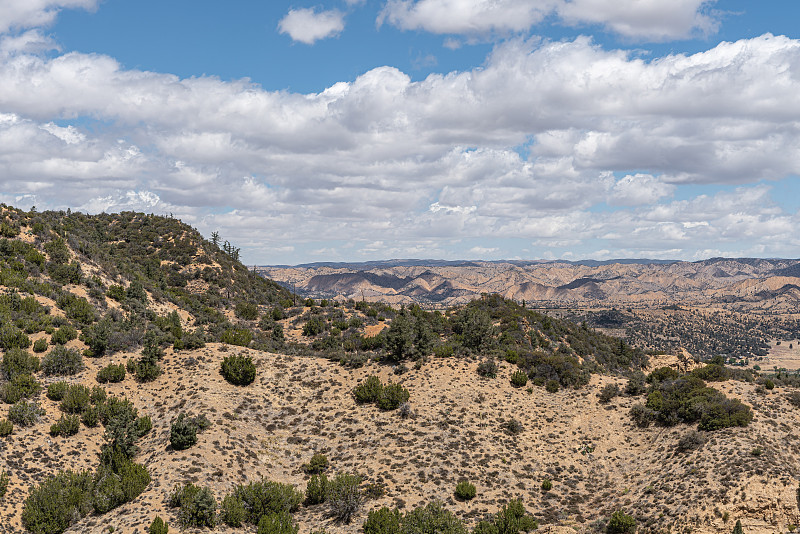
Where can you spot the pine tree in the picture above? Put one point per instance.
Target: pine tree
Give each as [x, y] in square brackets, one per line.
[737, 529]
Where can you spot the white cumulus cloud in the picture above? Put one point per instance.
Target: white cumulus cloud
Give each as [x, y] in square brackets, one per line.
[309, 26]
[647, 20]
[22, 14]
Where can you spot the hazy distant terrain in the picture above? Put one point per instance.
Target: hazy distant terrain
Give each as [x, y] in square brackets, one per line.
[744, 283]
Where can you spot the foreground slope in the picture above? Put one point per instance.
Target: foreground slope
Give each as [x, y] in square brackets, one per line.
[596, 458]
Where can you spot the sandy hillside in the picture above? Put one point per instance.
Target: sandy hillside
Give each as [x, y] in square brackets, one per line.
[598, 461]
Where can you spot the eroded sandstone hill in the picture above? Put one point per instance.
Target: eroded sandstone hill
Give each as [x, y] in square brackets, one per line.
[755, 283]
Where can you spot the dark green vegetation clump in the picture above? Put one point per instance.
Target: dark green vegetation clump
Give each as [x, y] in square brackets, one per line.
[183, 432]
[673, 398]
[434, 517]
[386, 396]
[238, 370]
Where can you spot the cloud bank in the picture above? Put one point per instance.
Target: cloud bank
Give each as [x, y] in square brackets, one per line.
[554, 145]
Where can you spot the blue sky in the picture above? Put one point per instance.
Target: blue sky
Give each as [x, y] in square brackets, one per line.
[459, 129]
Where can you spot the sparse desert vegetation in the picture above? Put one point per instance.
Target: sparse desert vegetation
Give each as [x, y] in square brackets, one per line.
[220, 408]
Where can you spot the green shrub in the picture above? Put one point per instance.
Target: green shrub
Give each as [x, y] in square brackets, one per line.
[116, 292]
[383, 521]
[237, 336]
[392, 396]
[40, 345]
[4, 479]
[369, 390]
[143, 425]
[488, 369]
[18, 362]
[264, 497]
[158, 526]
[608, 392]
[519, 379]
[512, 426]
[621, 523]
[183, 433]
[21, 387]
[432, 518]
[6, 428]
[247, 311]
[12, 337]
[118, 481]
[111, 373]
[64, 334]
[232, 512]
[277, 523]
[344, 496]
[661, 374]
[547, 484]
[62, 361]
[316, 489]
[58, 502]
[67, 425]
[91, 417]
[238, 370]
[197, 506]
[314, 326]
[513, 518]
[25, 413]
[552, 386]
[57, 390]
[465, 491]
[317, 464]
[76, 399]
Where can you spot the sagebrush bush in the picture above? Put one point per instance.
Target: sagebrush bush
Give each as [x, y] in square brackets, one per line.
[316, 489]
[232, 512]
[111, 373]
[519, 378]
[12, 337]
[183, 433]
[547, 484]
[265, 497]
[18, 362]
[40, 345]
[6, 428]
[21, 387]
[277, 523]
[317, 464]
[76, 399]
[58, 502]
[158, 526]
[392, 396]
[25, 413]
[4, 479]
[608, 392]
[67, 425]
[238, 370]
[432, 517]
[62, 361]
[57, 390]
[621, 523]
[64, 335]
[197, 507]
[465, 491]
[369, 390]
[488, 369]
[383, 521]
[247, 311]
[344, 496]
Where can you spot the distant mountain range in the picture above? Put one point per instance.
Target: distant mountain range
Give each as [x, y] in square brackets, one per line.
[760, 283]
